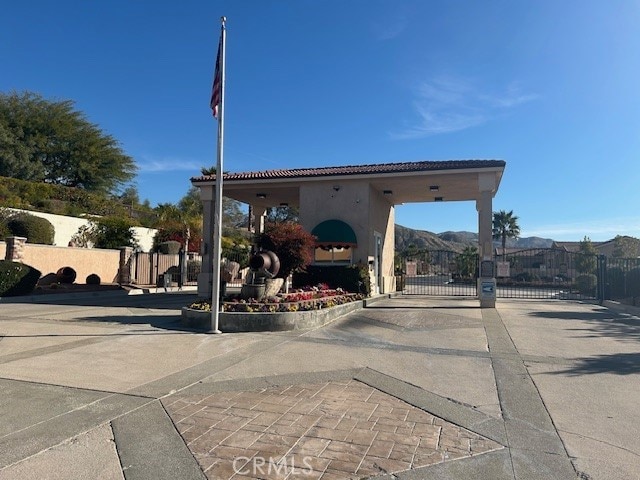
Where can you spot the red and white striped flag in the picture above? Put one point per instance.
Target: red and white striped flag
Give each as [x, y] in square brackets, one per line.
[216, 90]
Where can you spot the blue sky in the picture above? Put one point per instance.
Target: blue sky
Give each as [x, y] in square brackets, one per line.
[549, 86]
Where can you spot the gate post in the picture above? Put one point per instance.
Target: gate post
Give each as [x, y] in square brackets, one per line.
[124, 267]
[15, 249]
[602, 278]
[487, 278]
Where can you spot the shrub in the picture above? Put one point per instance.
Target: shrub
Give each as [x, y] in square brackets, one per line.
[92, 279]
[170, 230]
[114, 232]
[351, 278]
[586, 284]
[291, 243]
[171, 247]
[34, 229]
[17, 278]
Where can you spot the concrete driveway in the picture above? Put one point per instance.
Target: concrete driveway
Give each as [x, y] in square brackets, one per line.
[411, 387]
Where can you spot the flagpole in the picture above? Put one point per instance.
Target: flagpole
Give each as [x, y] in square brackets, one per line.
[217, 217]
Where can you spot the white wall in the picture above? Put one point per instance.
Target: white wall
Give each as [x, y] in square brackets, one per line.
[66, 227]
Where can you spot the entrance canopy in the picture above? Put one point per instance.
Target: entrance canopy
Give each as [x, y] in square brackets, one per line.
[355, 204]
[408, 182]
[334, 234]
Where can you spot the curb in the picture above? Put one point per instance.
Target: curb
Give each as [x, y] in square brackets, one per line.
[235, 322]
[621, 307]
[44, 298]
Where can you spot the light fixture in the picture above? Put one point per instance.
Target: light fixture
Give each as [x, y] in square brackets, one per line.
[387, 192]
[261, 195]
[336, 188]
[434, 188]
[284, 204]
[437, 199]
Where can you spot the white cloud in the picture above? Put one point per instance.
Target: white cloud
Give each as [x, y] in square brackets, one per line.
[448, 104]
[152, 165]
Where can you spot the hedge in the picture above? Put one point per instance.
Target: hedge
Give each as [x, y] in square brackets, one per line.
[352, 278]
[34, 229]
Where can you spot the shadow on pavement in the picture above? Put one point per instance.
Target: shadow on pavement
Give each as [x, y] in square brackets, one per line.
[601, 314]
[604, 323]
[615, 363]
[165, 322]
[423, 307]
[161, 301]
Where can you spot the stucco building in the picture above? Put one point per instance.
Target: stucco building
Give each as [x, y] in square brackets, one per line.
[354, 206]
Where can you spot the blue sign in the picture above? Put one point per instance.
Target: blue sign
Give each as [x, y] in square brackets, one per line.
[488, 289]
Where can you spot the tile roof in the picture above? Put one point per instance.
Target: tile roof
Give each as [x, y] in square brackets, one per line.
[373, 169]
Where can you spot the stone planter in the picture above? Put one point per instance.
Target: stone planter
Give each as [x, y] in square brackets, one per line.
[256, 291]
[267, 322]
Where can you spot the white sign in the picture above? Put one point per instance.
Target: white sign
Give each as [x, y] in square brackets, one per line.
[504, 269]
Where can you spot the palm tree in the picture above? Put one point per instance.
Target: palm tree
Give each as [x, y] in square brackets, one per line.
[505, 225]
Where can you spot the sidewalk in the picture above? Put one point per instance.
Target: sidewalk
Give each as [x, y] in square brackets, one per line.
[410, 387]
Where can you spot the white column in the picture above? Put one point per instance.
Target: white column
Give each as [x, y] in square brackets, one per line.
[485, 225]
[259, 213]
[484, 205]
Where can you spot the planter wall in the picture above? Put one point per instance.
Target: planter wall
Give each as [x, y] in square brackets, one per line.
[267, 322]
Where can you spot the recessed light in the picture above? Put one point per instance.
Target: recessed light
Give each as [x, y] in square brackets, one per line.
[437, 199]
[261, 195]
[387, 192]
[434, 188]
[284, 204]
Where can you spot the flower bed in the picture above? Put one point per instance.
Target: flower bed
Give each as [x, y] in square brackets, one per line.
[302, 300]
[301, 309]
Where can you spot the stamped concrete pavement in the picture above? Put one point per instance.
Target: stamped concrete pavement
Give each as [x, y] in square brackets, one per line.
[410, 387]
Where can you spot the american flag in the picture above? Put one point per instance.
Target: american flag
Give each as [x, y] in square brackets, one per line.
[217, 84]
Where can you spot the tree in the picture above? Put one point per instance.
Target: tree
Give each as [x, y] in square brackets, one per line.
[232, 214]
[626, 247]
[467, 262]
[114, 232]
[130, 196]
[282, 214]
[105, 232]
[505, 225]
[586, 259]
[49, 141]
[291, 243]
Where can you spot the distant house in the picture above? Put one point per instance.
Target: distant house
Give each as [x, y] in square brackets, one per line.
[602, 248]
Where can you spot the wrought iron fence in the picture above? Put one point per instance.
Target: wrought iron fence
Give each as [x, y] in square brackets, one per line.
[171, 270]
[622, 279]
[548, 273]
[543, 273]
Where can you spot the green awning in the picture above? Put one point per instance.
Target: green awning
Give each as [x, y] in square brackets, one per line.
[334, 234]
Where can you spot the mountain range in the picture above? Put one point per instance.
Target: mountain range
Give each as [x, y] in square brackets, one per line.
[456, 241]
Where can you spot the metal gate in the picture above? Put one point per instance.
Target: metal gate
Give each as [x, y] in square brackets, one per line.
[541, 273]
[442, 273]
[548, 273]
